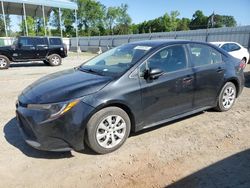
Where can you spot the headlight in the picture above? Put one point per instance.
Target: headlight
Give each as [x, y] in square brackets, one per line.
[55, 109]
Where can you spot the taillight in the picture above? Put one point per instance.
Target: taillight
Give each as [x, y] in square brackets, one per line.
[242, 65]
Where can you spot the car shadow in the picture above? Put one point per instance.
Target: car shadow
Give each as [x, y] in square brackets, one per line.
[13, 136]
[247, 79]
[28, 64]
[233, 171]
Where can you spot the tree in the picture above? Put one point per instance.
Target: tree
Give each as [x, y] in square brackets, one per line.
[31, 26]
[111, 17]
[90, 14]
[123, 20]
[221, 21]
[183, 24]
[199, 21]
[2, 29]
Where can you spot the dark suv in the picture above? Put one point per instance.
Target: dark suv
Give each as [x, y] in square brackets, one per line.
[50, 50]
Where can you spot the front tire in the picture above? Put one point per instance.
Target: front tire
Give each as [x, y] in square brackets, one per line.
[4, 62]
[55, 60]
[107, 130]
[227, 97]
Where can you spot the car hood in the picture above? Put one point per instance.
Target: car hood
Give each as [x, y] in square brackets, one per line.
[63, 86]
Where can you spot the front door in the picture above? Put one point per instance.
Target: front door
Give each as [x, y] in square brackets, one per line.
[172, 93]
[26, 49]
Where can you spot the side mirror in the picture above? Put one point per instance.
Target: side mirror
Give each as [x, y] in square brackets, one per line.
[153, 74]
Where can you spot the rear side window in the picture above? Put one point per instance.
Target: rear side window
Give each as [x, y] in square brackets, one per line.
[41, 41]
[55, 41]
[26, 41]
[204, 55]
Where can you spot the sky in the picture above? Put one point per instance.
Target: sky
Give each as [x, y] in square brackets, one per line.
[141, 10]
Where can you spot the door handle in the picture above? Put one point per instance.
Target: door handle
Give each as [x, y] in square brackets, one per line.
[187, 80]
[32, 48]
[220, 70]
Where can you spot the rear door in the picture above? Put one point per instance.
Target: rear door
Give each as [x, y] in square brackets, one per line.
[208, 74]
[41, 47]
[172, 93]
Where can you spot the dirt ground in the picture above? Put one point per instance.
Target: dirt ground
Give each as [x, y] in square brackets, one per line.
[209, 149]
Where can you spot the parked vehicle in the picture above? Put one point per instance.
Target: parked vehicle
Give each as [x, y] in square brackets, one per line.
[128, 88]
[234, 49]
[50, 50]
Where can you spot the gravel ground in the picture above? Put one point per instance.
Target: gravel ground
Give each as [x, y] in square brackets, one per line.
[209, 149]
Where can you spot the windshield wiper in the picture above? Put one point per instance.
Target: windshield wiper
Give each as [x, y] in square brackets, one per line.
[89, 70]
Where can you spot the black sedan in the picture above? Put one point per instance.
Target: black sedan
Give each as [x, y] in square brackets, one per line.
[128, 88]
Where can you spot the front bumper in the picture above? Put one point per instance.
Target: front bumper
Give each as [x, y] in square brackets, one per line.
[61, 134]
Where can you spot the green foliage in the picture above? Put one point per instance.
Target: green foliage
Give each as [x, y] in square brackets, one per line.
[183, 24]
[31, 25]
[221, 21]
[96, 19]
[2, 32]
[2, 27]
[199, 21]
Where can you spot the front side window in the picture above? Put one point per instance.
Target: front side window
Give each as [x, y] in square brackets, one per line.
[169, 59]
[204, 55]
[116, 61]
[26, 42]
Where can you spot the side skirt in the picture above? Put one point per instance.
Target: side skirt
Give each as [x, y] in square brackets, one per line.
[177, 117]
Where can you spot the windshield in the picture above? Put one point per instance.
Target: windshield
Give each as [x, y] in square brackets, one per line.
[116, 61]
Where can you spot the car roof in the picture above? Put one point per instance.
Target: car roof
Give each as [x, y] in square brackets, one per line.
[224, 42]
[159, 42]
[38, 37]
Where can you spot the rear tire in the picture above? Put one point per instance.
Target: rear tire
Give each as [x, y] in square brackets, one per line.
[227, 97]
[107, 130]
[55, 60]
[244, 60]
[4, 62]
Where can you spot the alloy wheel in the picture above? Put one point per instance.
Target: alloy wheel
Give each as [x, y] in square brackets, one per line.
[111, 131]
[55, 60]
[228, 97]
[3, 63]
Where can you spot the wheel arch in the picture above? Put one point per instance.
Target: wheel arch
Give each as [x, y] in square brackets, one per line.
[6, 55]
[122, 106]
[236, 83]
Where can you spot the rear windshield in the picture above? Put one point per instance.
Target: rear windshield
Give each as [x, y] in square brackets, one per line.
[55, 41]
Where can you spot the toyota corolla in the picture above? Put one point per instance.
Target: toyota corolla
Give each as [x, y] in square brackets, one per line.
[128, 88]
